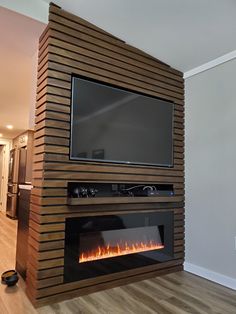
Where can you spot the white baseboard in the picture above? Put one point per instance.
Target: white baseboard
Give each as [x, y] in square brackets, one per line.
[211, 275]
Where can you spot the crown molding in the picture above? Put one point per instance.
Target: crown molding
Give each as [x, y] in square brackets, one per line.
[211, 64]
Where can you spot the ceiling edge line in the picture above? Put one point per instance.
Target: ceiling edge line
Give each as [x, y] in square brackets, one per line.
[211, 64]
[34, 9]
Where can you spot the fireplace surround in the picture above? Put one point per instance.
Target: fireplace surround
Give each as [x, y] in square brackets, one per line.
[72, 46]
[101, 245]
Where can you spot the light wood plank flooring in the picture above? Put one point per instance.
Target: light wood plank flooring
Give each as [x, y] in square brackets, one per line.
[177, 293]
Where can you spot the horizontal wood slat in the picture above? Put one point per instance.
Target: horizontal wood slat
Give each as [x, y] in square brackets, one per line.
[122, 200]
[46, 246]
[97, 54]
[67, 65]
[101, 176]
[46, 227]
[45, 273]
[115, 71]
[48, 131]
[60, 23]
[76, 285]
[107, 285]
[72, 46]
[68, 167]
[103, 208]
[49, 217]
[44, 283]
[63, 184]
[43, 237]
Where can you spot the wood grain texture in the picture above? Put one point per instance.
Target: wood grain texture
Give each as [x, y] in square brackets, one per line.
[175, 293]
[71, 45]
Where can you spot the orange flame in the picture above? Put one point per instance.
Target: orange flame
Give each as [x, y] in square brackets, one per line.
[118, 250]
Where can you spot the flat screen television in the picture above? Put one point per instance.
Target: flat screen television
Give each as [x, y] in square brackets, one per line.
[111, 124]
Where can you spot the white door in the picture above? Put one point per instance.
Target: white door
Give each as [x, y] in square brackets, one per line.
[2, 155]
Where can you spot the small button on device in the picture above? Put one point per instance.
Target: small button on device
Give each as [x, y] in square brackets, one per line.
[92, 192]
[83, 192]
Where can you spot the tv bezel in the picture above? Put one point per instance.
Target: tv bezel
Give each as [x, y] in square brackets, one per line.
[116, 162]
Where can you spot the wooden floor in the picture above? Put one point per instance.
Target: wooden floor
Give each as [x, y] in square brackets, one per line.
[175, 293]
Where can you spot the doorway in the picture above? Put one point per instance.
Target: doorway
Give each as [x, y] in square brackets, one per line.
[2, 163]
[5, 146]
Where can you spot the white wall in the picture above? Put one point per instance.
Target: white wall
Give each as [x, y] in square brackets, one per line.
[36, 9]
[33, 90]
[211, 171]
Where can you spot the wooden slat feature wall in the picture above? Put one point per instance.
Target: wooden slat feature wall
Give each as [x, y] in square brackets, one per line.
[70, 45]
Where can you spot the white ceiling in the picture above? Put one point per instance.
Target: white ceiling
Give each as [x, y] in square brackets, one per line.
[19, 43]
[183, 33]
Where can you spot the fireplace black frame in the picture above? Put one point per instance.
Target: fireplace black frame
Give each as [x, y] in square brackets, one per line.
[75, 271]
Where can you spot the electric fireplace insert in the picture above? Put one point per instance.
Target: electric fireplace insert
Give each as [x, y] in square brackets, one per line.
[101, 245]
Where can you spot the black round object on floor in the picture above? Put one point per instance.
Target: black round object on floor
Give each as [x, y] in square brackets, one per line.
[10, 278]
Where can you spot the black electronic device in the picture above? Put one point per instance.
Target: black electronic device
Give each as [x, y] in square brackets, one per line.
[10, 278]
[111, 124]
[85, 189]
[141, 190]
[145, 191]
[92, 192]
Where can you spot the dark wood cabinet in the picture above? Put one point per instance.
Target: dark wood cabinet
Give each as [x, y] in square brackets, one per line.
[29, 157]
[22, 232]
[22, 165]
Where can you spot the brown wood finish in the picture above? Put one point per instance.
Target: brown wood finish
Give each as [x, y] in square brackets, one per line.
[178, 292]
[70, 45]
[119, 200]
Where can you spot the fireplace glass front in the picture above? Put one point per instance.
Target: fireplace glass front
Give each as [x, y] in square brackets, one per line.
[101, 245]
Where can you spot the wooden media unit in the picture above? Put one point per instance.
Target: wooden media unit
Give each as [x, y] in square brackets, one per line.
[68, 46]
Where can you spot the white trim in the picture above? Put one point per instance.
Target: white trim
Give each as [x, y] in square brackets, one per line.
[206, 66]
[211, 275]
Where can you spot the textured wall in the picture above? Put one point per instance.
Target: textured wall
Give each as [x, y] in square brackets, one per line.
[210, 169]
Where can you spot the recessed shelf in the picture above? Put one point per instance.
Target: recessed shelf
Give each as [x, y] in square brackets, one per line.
[123, 200]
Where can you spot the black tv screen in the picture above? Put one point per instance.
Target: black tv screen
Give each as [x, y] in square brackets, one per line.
[111, 124]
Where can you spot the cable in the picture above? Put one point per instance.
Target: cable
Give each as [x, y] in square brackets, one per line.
[148, 187]
[139, 186]
[133, 187]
